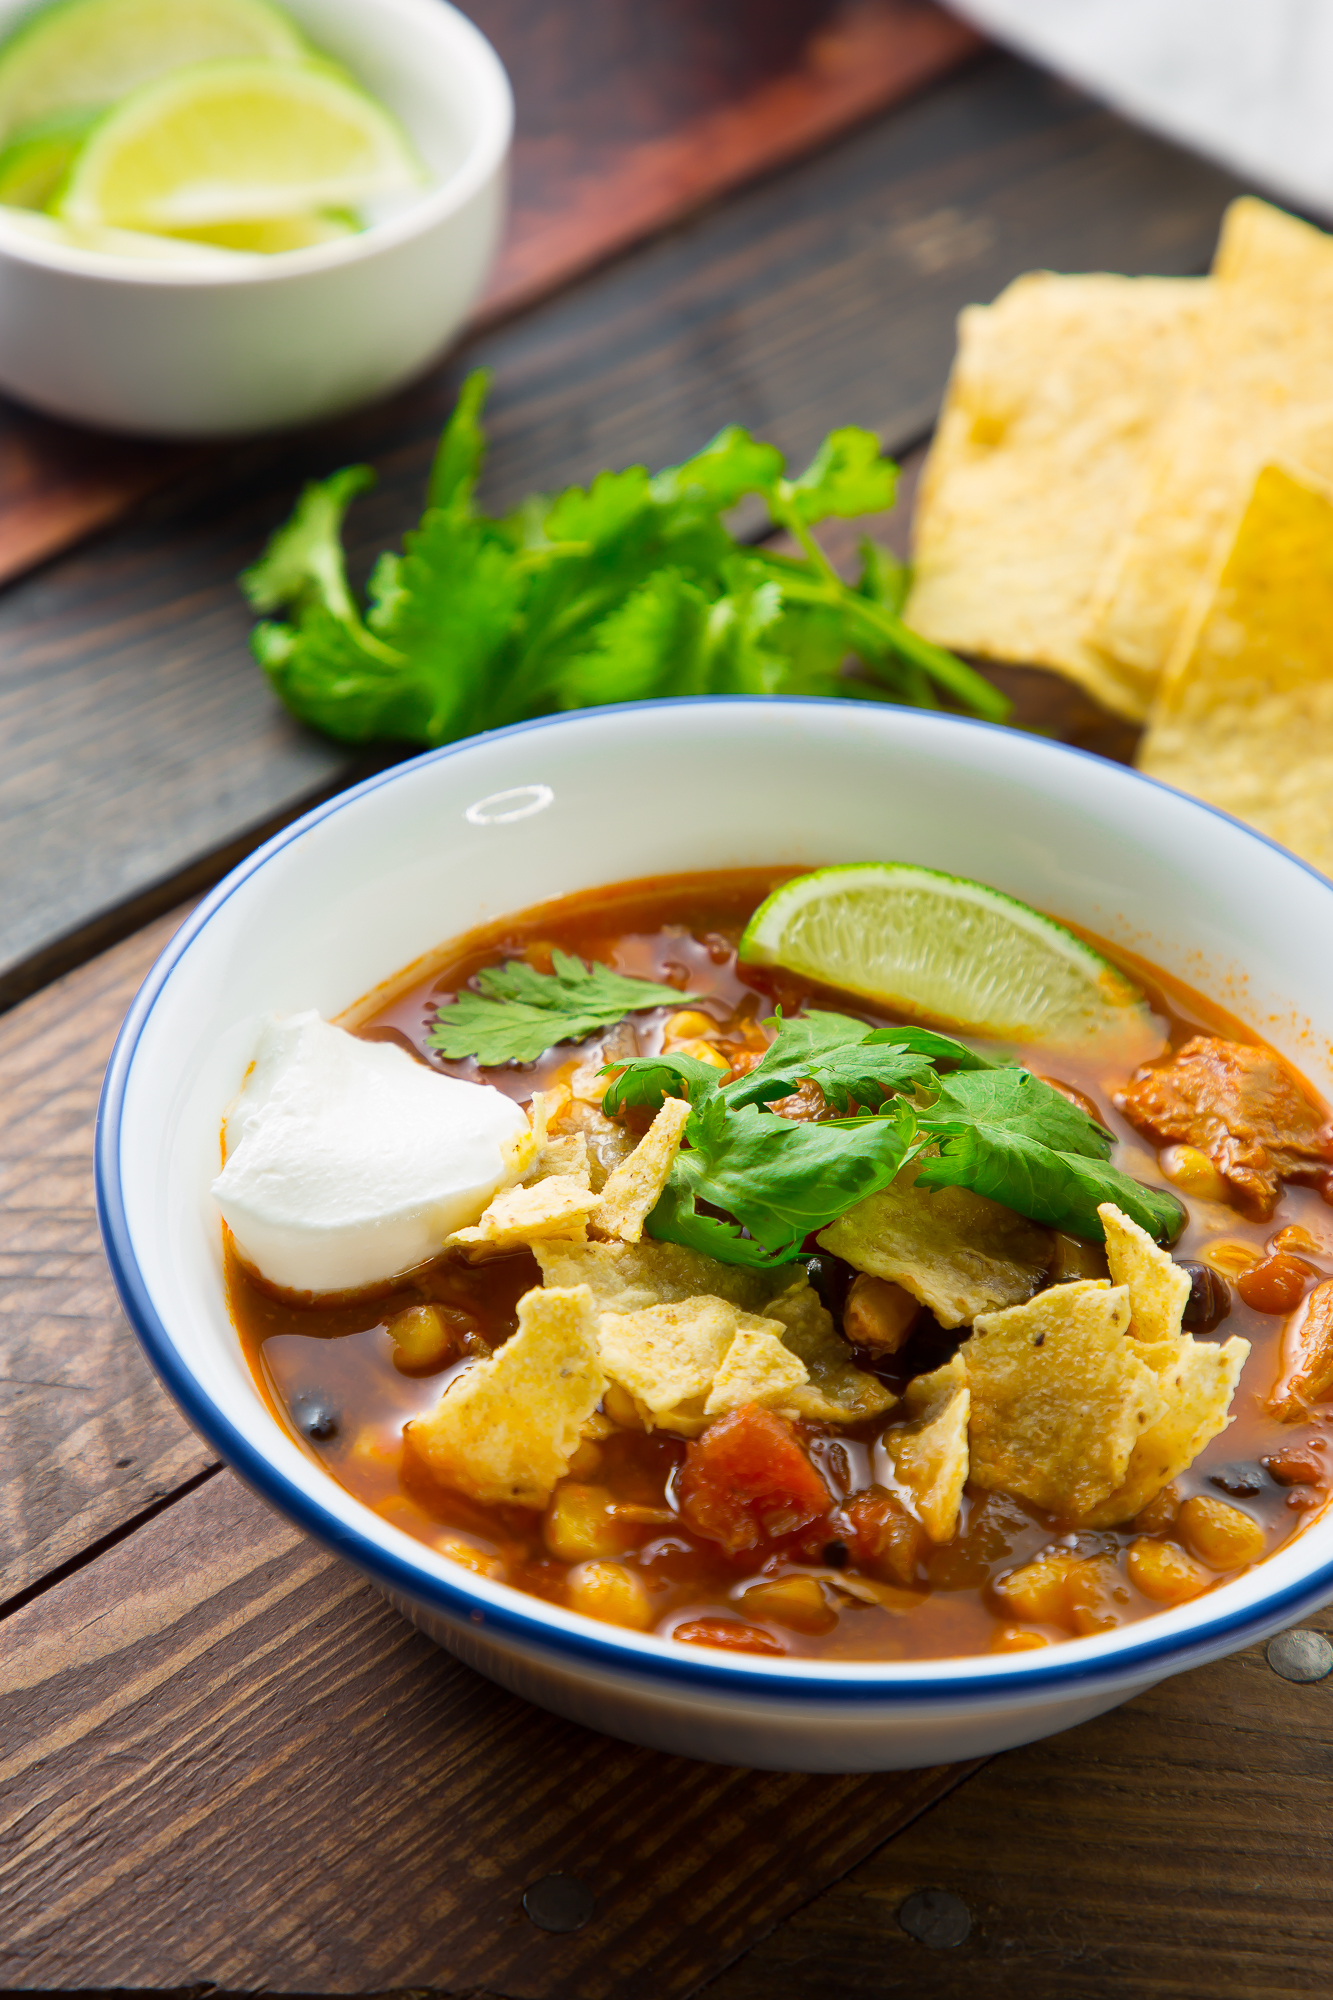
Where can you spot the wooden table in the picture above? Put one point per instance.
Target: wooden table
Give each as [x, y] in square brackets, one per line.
[226, 1763]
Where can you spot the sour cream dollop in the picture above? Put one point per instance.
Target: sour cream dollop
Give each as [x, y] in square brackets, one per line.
[347, 1162]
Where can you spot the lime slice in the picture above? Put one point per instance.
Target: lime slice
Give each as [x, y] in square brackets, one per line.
[36, 160]
[237, 142]
[279, 232]
[911, 941]
[85, 54]
[39, 228]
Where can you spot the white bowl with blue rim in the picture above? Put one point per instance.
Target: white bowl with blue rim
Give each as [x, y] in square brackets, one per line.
[362, 886]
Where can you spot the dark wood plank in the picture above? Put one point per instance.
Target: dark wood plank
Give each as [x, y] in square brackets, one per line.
[627, 118]
[135, 735]
[89, 1440]
[226, 1760]
[625, 121]
[1176, 1847]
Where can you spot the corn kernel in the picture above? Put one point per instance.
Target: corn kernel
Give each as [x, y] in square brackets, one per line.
[1193, 1173]
[1164, 1572]
[620, 1407]
[481, 1561]
[422, 1338]
[683, 1027]
[1223, 1536]
[611, 1592]
[581, 1522]
[1228, 1256]
[1017, 1639]
[702, 1051]
[794, 1601]
[1036, 1592]
[596, 1427]
[1298, 1241]
[1095, 1598]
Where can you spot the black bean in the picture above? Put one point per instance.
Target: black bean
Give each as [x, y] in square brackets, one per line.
[835, 1555]
[832, 1279]
[1209, 1301]
[315, 1417]
[1241, 1481]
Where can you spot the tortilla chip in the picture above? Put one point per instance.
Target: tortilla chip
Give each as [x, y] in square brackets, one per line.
[956, 1251]
[1158, 1288]
[930, 1455]
[1197, 1380]
[926, 1392]
[1245, 715]
[1265, 366]
[506, 1429]
[631, 1194]
[837, 1392]
[626, 1277]
[1059, 1397]
[756, 1368]
[556, 1206]
[1038, 460]
[667, 1357]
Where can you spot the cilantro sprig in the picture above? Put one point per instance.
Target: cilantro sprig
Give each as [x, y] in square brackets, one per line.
[912, 1096]
[516, 1012]
[629, 589]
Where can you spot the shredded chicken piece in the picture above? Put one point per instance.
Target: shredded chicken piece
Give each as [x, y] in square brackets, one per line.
[1242, 1108]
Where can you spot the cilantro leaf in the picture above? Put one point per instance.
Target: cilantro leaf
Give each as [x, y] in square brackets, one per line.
[644, 1082]
[518, 1013]
[1013, 1100]
[851, 1063]
[629, 589]
[1060, 1189]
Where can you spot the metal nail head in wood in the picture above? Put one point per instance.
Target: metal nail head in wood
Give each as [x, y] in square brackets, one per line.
[936, 1917]
[559, 1903]
[1300, 1656]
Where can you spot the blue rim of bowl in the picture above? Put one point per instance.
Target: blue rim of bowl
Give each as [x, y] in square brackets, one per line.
[1136, 1661]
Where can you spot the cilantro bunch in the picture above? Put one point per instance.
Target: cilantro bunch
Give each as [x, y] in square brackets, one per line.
[964, 1120]
[630, 589]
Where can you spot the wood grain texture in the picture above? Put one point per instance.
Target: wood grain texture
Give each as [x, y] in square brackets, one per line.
[89, 1440]
[629, 117]
[626, 119]
[1176, 1847]
[136, 737]
[225, 1759]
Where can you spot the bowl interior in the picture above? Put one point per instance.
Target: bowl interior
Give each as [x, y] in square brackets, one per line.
[374, 880]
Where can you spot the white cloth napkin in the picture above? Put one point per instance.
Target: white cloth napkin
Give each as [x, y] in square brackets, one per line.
[1248, 82]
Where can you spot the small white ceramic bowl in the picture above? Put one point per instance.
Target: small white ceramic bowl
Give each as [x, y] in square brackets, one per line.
[202, 351]
[365, 885]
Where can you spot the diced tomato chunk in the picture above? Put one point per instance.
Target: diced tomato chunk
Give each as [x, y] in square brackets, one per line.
[728, 1635]
[881, 1534]
[746, 1478]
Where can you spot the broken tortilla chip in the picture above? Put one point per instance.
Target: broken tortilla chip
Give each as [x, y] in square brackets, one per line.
[1158, 1288]
[1059, 1397]
[756, 1368]
[1244, 719]
[1264, 365]
[837, 1392]
[631, 1193]
[929, 1455]
[554, 1207]
[506, 1429]
[626, 1277]
[1197, 1380]
[668, 1357]
[958, 1252]
[1038, 461]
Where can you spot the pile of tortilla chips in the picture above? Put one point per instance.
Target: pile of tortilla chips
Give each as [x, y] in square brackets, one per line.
[1132, 483]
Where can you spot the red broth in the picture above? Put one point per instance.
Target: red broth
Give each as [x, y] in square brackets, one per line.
[327, 1369]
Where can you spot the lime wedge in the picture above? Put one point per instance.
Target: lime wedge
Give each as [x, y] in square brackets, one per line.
[910, 941]
[39, 228]
[237, 142]
[279, 232]
[85, 54]
[36, 160]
